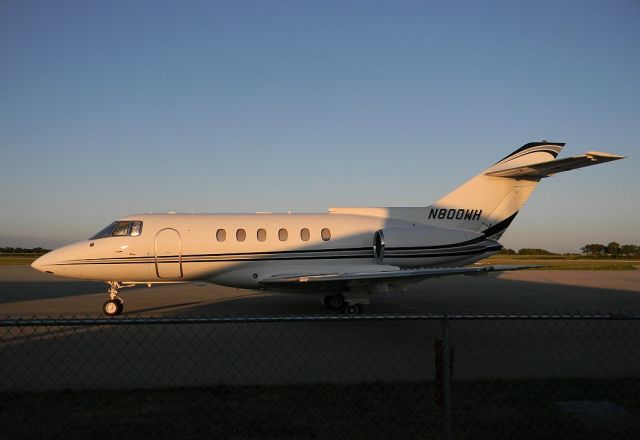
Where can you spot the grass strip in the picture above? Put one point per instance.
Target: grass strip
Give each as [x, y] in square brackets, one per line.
[18, 259]
[564, 264]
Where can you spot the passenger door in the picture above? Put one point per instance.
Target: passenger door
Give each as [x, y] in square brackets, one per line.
[168, 253]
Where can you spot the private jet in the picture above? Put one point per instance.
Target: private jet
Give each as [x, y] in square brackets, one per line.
[343, 256]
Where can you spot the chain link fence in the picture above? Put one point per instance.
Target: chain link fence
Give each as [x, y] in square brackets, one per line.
[316, 377]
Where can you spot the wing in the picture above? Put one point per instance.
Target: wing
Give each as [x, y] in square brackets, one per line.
[546, 169]
[386, 275]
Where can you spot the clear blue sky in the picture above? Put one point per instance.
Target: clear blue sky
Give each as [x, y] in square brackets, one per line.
[110, 108]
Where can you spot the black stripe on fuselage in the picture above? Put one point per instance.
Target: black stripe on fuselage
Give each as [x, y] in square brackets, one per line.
[300, 253]
[319, 257]
[440, 246]
[222, 260]
[447, 254]
[234, 254]
[501, 226]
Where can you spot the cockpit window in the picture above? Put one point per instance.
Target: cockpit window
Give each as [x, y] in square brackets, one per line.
[106, 232]
[136, 229]
[120, 229]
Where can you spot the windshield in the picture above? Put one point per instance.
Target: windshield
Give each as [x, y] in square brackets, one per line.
[106, 232]
[120, 229]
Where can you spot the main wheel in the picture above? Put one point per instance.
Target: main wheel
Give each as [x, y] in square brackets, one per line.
[335, 302]
[352, 309]
[112, 307]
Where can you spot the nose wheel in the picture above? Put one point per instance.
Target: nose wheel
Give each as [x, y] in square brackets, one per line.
[113, 307]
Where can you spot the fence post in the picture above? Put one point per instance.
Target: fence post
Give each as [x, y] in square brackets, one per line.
[446, 385]
[438, 393]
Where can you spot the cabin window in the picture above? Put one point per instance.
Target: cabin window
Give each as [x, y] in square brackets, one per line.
[241, 235]
[122, 229]
[305, 235]
[325, 234]
[262, 234]
[221, 235]
[283, 234]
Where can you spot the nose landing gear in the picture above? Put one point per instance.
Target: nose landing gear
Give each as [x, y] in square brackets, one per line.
[115, 305]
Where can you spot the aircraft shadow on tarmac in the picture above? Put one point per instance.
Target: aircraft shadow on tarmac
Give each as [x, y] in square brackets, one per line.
[454, 295]
[451, 295]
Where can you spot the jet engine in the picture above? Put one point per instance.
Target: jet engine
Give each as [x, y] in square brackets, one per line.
[402, 243]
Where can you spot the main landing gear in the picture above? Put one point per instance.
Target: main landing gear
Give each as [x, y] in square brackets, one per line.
[115, 305]
[347, 306]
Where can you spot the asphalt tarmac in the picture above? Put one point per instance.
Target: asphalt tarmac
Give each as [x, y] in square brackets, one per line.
[26, 292]
[161, 355]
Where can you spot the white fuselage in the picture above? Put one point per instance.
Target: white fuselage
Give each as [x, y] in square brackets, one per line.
[345, 255]
[231, 249]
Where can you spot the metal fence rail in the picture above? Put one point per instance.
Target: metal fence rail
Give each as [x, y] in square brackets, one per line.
[9, 321]
[364, 376]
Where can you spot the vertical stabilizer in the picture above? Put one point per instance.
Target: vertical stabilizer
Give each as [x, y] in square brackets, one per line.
[489, 204]
[490, 201]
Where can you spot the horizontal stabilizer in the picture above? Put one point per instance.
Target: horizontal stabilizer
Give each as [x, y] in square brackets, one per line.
[549, 168]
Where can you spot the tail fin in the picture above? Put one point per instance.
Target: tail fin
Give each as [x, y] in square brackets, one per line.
[490, 201]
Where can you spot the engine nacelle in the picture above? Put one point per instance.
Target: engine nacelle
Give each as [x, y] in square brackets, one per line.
[390, 241]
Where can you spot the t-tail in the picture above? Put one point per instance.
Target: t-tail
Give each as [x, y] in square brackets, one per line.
[490, 201]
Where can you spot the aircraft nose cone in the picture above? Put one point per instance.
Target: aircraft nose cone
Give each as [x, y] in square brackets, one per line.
[43, 263]
[37, 264]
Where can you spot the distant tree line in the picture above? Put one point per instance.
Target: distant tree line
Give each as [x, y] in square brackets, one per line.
[19, 250]
[525, 251]
[613, 249]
